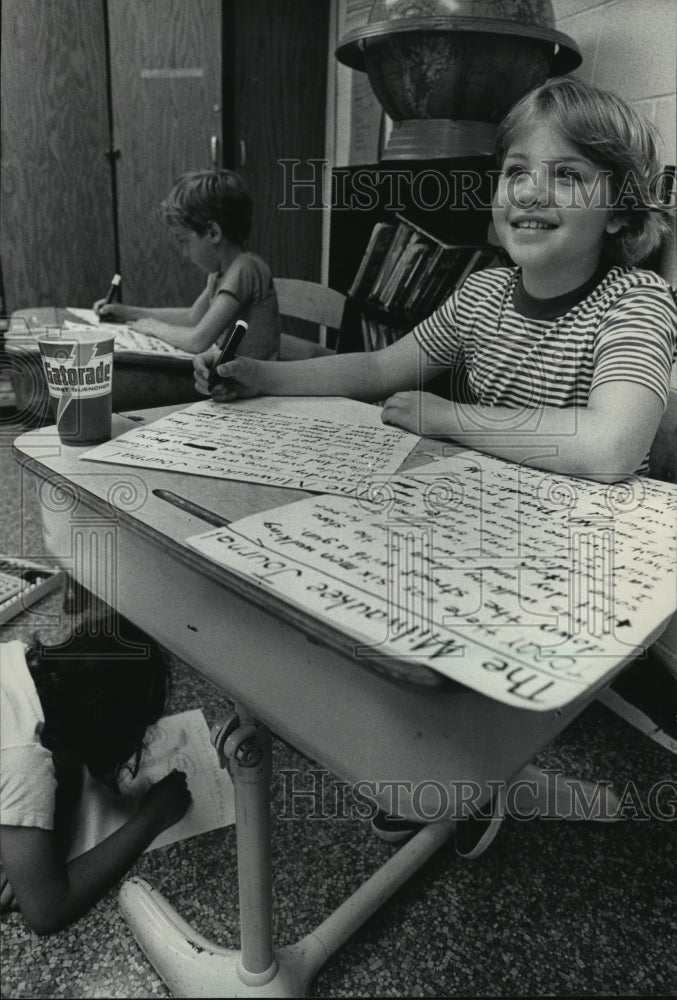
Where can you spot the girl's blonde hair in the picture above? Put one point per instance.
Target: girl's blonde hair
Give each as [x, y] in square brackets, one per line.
[609, 133]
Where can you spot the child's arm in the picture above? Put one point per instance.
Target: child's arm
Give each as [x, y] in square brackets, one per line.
[51, 893]
[200, 335]
[7, 899]
[607, 440]
[368, 376]
[117, 312]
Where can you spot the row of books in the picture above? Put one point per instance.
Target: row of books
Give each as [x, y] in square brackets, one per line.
[408, 272]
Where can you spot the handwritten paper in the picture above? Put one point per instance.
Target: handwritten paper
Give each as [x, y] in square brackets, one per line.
[308, 443]
[87, 316]
[525, 586]
[179, 742]
[127, 341]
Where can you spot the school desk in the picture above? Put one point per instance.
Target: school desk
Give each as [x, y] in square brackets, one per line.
[288, 673]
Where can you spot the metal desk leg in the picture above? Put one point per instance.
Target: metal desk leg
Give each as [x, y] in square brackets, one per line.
[192, 966]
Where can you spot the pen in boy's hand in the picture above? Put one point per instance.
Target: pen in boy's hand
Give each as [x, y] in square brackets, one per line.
[228, 350]
[113, 290]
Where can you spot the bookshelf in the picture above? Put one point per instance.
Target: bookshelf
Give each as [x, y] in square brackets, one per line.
[403, 238]
[405, 274]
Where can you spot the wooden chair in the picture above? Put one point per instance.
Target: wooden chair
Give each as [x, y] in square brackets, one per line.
[313, 303]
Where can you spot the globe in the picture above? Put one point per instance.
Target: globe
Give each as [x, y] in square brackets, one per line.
[446, 71]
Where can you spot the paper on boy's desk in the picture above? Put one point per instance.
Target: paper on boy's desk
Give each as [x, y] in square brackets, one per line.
[528, 587]
[320, 444]
[179, 742]
[84, 315]
[127, 341]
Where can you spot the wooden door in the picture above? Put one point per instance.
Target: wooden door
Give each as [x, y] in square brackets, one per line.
[56, 214]
[166, 98]
[275, 75]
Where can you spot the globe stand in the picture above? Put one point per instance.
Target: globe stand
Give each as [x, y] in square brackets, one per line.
[438, 138]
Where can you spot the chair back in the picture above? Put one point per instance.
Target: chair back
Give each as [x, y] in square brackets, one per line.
[312, 303]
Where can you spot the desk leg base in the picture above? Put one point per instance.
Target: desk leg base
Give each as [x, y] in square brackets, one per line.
[192, 966]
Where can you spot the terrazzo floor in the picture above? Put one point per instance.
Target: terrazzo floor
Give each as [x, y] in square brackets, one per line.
[553, 908]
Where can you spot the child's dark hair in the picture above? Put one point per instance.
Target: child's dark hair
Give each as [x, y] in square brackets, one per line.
[611, 134]
[204, 196]
[100, 691]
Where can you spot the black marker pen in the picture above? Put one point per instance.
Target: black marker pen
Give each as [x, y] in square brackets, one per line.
[228, 350]
[113, 290]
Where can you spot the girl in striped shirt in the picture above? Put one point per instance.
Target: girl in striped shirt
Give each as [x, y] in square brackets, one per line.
[564, 358]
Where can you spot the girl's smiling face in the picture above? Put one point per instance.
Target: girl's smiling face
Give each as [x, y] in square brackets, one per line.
[552, 210]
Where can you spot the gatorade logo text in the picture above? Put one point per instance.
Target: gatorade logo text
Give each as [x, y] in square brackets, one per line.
[86, 380]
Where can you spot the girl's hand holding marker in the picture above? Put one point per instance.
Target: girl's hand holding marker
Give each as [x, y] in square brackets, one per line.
[210, 378]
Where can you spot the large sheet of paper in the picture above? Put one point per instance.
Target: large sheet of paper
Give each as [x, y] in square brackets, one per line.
[527, 587]
[127, 341]
[324, 445]
[178, 742]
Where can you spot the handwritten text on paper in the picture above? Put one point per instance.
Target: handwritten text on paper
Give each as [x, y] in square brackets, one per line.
[275, 447]
[525, 586]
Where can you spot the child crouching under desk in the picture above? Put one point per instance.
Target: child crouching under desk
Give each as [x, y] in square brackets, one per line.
[568, 353]
[88, 702]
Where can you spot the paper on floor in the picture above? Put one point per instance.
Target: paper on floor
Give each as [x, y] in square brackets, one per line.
[178, 742]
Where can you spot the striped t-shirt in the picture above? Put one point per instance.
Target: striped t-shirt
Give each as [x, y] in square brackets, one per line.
[624, 329]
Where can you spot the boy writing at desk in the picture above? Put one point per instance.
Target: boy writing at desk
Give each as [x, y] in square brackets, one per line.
[210, 212]
[567, 355]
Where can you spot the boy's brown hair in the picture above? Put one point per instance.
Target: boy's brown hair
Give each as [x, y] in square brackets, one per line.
[204, 196]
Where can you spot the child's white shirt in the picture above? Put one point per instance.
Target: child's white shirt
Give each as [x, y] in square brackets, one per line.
[27, 776]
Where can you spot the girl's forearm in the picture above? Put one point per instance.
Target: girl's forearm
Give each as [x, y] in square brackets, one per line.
[356, 376]
[89, 876]
[572, 441]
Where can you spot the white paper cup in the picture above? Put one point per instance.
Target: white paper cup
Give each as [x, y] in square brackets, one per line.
[78, 367]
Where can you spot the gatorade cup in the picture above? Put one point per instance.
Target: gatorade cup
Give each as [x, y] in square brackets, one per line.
[78, 366]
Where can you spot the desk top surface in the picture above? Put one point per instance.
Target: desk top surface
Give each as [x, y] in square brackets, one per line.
[168, 507]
